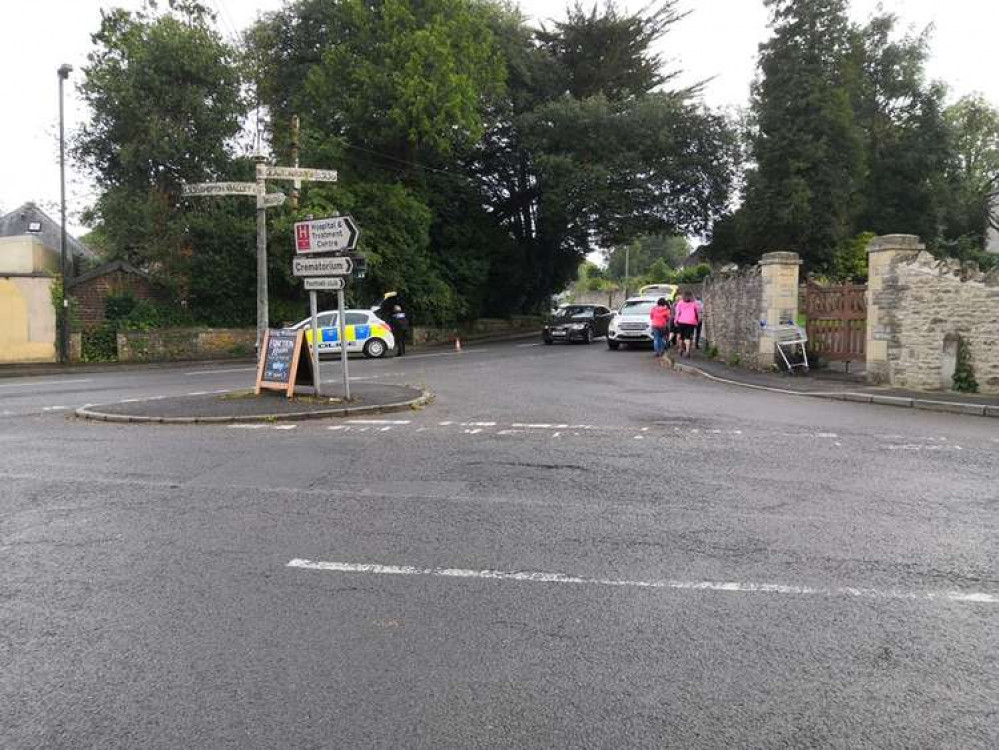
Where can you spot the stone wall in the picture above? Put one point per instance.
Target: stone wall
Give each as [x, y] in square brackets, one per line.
[919, 307]
[743, 308]
[733, 309]
[478, 329]
[185, 343]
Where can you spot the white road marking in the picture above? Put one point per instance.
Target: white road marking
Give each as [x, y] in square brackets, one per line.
[286, 427]
[478, 424]
[379, 421]
[54, 408]
[967, 597]
[525, 346]
[385, 429]
[556, 435]
[476, 431]
[220, 372]
[247, 426]
[198, 393]
[541, 426]
[337, 428]
[827, 435]
[43, 382]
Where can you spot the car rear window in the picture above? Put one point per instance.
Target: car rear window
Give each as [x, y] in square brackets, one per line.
[642, 307]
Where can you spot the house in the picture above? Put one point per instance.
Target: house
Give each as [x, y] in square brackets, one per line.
[30, 221]
[29, 265]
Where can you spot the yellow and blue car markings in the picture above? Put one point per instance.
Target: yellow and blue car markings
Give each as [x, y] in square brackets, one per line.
[356, 334]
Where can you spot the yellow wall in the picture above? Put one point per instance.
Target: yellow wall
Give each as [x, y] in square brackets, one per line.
[27, 320]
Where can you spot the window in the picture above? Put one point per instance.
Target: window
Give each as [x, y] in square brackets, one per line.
[357, 319]
[327, 320]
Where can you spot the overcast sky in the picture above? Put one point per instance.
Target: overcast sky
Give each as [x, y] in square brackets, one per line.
[718, 41]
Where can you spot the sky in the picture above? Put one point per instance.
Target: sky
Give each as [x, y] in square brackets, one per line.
[717, 42]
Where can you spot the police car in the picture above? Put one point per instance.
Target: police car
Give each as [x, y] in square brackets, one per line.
[366, 333]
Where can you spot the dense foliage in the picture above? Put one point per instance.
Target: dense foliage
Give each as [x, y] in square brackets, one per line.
[847, 136]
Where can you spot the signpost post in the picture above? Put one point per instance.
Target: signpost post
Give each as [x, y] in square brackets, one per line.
[265, 200]
[325, 239]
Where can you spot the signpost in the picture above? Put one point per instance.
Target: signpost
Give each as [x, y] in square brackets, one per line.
[265, 200]
[334, 284]
[220, 188]
[337, 234]
[299, 173]
[336, 265]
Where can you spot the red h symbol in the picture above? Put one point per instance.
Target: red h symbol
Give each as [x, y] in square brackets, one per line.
[304, 239]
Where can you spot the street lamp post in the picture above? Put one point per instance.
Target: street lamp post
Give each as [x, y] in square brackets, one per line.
[63, 71]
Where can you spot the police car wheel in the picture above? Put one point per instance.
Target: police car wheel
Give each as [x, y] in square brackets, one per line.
[375, 349]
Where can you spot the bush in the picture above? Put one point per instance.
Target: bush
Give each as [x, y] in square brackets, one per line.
[964, 374]
[99, 344]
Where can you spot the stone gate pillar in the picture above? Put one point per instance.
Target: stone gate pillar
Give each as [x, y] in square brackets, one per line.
[780, 300]
[883, 255]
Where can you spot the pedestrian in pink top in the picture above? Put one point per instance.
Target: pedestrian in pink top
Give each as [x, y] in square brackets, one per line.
[687, 315]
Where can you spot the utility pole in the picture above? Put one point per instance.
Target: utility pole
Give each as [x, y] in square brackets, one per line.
[297, 184]
[627, 268]
[63, 72]
[263, 312]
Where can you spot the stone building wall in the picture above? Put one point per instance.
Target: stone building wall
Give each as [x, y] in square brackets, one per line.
[921, 307]
[733, 309]
[185, 343]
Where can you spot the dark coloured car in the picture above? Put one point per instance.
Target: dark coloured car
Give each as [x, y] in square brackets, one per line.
[577, 323]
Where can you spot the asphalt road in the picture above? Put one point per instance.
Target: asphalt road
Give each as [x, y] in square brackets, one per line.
[570, 548]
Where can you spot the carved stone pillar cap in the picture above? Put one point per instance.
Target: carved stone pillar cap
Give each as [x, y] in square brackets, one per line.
[782, 258]
[908, 242]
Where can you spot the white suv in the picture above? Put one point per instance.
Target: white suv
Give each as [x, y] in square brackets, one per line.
[631, 324]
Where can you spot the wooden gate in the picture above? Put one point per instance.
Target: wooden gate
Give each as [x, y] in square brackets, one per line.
[836, 320]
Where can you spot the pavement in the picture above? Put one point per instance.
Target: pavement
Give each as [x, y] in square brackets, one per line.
[842, 386]
[572, 547]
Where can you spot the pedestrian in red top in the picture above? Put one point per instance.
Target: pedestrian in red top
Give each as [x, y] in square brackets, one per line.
[660, 326]
[687, 315]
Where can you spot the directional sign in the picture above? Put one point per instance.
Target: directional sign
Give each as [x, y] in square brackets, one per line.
[272, 200]
[300, 173]
[334, 266]
[337, 234]
[334, 284]
[221, 188]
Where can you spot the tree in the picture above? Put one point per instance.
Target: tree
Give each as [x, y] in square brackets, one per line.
[164, 96]
[806, 143]
[644, 252]
[973, 172]
[904, 132]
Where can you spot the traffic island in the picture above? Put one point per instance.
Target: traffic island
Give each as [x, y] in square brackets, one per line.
[246, 406]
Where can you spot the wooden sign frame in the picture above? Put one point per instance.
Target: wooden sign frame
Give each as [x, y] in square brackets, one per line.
[301, 345]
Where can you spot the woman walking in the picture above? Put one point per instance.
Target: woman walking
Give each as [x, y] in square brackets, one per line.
[660, 316]
[687, 315]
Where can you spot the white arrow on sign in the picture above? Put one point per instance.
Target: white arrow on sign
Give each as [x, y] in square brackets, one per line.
[335, 266]
[334, 284]
[221, 188]
[272, 200]
[300, 173]
[337, 234]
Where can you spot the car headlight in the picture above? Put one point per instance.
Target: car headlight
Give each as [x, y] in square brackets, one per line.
[577, 326]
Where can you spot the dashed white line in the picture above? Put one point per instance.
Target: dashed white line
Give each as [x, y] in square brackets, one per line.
[54, 408]
[44, 382]
[380, 421]
[220, 372]
[728, 587]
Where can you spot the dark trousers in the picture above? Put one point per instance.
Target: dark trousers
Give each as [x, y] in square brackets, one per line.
[697, 336]
[400, 342]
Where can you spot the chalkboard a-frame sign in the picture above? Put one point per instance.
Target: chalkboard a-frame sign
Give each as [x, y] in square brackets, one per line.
[286, 363]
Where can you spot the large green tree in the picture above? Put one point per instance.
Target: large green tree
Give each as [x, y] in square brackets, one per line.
[163, 90]
[973, 170]
[804, 194]
[525, 156]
